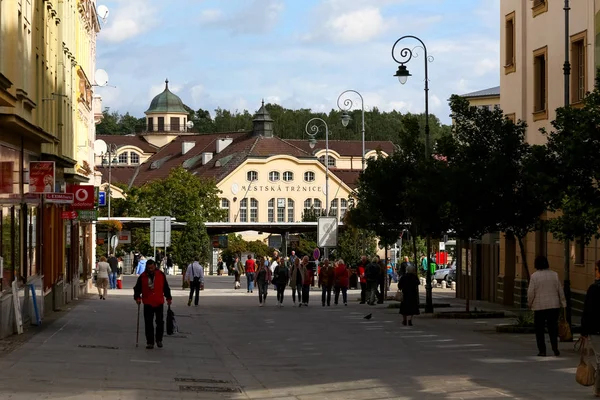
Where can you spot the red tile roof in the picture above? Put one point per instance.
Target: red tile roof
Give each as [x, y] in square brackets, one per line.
[129, 140]
[119, 174]
[349, 177]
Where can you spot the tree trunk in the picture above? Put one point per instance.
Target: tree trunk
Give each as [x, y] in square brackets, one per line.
[524, 257]
[467, 277]
[414, 238]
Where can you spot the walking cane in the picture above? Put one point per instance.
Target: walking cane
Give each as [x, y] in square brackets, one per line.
[137, 331]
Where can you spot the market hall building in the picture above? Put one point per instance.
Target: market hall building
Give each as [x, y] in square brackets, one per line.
[262, 178]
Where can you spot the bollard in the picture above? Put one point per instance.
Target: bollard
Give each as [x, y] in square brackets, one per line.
[423, 281]
[453, 286]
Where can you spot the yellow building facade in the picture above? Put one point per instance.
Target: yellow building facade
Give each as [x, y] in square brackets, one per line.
[43, 45]
[532, 44]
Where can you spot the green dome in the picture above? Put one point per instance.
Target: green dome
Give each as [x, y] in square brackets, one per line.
[166, 102]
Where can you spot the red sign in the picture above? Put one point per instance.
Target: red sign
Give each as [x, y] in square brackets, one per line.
[69, 214]
[41, 176]
[83, 196]
[59, 198]
[6, 176]
[441, 257]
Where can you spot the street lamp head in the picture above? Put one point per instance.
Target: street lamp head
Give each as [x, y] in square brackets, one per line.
[312, 143]
[345, 119]
[402, 74]
[104, 161]
[115, 160]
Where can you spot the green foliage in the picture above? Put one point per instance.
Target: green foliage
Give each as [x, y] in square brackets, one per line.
[408, 250]
[524, 319]
[236, 246]
[114, 123]
[354, 243]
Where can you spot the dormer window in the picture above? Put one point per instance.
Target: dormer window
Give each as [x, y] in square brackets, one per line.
[330, 161]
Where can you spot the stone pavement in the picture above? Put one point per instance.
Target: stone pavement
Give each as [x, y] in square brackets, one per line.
[230, 348]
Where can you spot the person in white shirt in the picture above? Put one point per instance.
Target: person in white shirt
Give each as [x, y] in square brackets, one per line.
[194, 275]
[103, 271]
[545, 297]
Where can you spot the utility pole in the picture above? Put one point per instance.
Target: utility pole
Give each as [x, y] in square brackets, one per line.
[567, 76]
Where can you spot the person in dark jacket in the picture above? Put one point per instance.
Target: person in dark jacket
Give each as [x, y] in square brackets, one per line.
[326, 280]
[169, 264]
[409, 285]
[152, 288]
[341, 281]
[590, 321]
[136, 260]
[372, 274]
[114, 271]
[381, 280]
[281, 276]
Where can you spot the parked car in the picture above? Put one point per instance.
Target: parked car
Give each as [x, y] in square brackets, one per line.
[446, 275]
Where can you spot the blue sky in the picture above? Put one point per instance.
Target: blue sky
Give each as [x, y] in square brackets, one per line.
[298, 53]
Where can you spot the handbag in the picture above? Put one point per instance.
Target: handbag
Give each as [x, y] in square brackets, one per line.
[399, 296]
[585, 374]
[564, 330]
[170, 321]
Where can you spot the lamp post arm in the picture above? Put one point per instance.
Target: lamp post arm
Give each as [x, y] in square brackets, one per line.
[347, 106]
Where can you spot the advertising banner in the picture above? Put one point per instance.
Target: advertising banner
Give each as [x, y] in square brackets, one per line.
[59, 198]
[6, 176]
[41, 176]
[84, 196]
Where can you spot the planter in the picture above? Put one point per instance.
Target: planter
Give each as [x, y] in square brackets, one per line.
[469, 315]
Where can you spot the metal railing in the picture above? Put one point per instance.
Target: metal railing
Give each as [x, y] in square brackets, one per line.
[178, 128]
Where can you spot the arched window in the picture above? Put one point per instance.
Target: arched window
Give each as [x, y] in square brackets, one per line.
[330, 160]
[280, 210]
[123, 157]
[252, 176]
[318, 207]
[288, 176]
[271, 210]
[290, 210]
[134, 158]
[343, 207]
[307, 205]
[244, 210]
[253, 210]
[273, 176]
[225, 206]
[309, 176]
[333, 209]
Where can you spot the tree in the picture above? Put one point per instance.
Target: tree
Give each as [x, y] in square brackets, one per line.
[354, 243]
[114, 123]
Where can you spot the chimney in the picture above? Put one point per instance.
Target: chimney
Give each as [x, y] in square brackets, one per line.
[206, 157]
[187, 146]
[223, 143]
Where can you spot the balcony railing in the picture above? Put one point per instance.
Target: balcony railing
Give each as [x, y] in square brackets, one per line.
[175, 128]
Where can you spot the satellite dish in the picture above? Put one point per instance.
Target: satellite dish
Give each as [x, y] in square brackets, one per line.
[101, 77]
[103, 12]
[190, 124]
[100, 147]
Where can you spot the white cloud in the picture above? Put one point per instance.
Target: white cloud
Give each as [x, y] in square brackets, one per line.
[211, 15]
[258, 16]
[130, 19]
[486, 65]
[357, 26]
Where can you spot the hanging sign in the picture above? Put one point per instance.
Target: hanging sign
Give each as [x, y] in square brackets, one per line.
[41, 176]
[83, 196]
[58, 198]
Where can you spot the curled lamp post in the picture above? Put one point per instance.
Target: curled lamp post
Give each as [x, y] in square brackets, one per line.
[313, 126]
[406, 54]
[110, 153]
[345, 106]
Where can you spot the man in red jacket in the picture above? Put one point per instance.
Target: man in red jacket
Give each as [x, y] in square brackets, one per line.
[152, 288]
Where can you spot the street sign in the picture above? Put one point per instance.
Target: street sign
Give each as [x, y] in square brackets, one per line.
[220, 241]
[84, 196]
[87, 215]
[442, 246]
[69, 215]
[327, 232]
[102, 199]
[125, 237]
[58, 198]
[160, 231]
[316, 254]
[114, 241]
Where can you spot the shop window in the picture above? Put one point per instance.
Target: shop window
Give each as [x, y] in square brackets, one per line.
[540, 83]
[309, 176]
[253, 210]
[288, 176]
[271, 210]
[10, 246]
[578, 67]
[273, 176]
[252, 176]
[290, 210]
[225, 206]
[244, 210]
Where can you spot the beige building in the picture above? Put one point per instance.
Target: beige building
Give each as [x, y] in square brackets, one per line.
[532, 44]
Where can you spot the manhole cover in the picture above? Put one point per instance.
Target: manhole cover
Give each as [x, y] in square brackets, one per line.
[89, 346]
[214, 389]
[195, 380]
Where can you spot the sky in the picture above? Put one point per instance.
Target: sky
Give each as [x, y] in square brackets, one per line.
[297, 53]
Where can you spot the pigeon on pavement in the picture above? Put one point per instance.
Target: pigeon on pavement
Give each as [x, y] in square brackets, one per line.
[368, 316]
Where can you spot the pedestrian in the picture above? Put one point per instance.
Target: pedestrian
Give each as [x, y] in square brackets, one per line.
[280, 278]
[326, 279]
[274, 264]
[590, 321]
[409, 286]
[341, 281]
[169, 264]
[114, 271]
[306, 282]
[293, 258]
[250, 268]
[220, 267]
[141, 267]
[402, 269]
[237, 272]
[152, 288]
[390, 273]
[361, 270]
[103, 271]
[372, 274]
[381, 280]
[296, 279]
[545, 296]
[194, 275]
[136, 260]
[262, 279]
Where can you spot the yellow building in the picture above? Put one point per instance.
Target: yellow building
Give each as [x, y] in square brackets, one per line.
[263, 179]
[532, 44]
[43, 45]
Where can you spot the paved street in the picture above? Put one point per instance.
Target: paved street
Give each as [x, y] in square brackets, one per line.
[230, 348]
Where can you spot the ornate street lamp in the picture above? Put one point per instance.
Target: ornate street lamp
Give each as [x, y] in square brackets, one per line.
[406, 54]
[345, 106]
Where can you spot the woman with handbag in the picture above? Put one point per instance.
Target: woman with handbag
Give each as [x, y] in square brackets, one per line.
[409, 286]
[545, 296]
[262, 279]
[590, 322]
